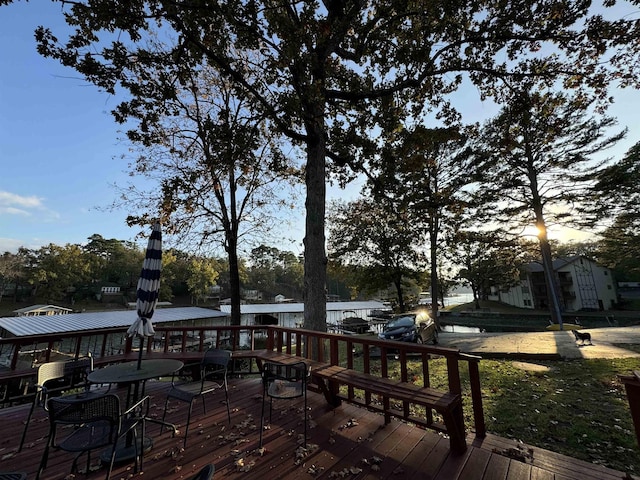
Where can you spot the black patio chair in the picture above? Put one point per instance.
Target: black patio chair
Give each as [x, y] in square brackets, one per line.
[211, 375]
[56, 378]
[13, 476]
[206, 473]
[284, 382]
[98, 423]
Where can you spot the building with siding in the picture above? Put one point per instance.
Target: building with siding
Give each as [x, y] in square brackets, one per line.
[584, 285]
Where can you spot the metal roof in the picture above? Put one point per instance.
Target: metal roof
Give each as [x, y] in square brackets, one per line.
[77, 322]
[264, 308]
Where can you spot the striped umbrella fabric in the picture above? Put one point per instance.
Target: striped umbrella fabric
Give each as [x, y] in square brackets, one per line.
[148, 286]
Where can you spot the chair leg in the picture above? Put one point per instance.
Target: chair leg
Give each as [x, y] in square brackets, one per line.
[261, 421]
[144, 433]
[186, 430]
[166, 404]
[88, 462]
[226, 396]
[305, 419]
[43, 461]
[136, 452]
[26, 426]
[113, 458]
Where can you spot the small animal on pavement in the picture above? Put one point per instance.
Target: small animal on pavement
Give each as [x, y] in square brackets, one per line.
[583, 336]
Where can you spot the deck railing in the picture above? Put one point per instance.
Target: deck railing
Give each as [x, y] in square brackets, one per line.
[364, 353]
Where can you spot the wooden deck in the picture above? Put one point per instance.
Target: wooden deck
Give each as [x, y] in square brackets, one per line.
[348, 442]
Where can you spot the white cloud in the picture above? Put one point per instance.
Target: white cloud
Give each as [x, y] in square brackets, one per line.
[26, 206]
[13, 211]
[10, 245]
[10, 200]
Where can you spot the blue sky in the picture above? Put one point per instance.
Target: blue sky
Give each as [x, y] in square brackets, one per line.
[59, 147]
[57, 143]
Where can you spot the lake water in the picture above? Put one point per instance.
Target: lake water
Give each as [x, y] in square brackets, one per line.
[460, 329]
[456, 299]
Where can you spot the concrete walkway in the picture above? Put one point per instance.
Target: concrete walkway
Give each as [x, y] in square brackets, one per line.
[546, 345]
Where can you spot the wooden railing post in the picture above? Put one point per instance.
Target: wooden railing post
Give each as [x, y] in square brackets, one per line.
[476, 396]
[270, 339]
[632, 388]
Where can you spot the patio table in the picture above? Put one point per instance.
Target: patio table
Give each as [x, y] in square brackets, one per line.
[129, 374]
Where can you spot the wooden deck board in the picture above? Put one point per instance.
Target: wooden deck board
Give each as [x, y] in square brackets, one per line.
[344, 437]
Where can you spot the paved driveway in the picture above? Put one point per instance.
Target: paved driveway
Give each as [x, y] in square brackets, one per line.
[543, 345]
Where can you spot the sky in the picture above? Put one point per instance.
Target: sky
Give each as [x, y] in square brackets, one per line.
[60, 153]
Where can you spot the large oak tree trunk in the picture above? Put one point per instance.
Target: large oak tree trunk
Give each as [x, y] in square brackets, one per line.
[315, 259]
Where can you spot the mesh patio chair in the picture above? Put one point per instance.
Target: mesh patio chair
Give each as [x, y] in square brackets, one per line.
[284, 382]
[55, 378]
[99, 423]
[206, 473]
[13, 476]
[211, 376]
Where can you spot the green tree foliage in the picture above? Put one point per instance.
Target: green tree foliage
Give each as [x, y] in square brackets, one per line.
[220, 172]
[10, 272]
[620, 247]
[56, 271]
[539, 165]
[203, 274]
[617, 190]
[274, 271]
[379, 241]
[428, 172]
[114, 261]
[487, 260]
[327, 75]
[618, 195]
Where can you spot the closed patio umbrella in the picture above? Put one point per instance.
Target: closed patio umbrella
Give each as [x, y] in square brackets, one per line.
[148, 289]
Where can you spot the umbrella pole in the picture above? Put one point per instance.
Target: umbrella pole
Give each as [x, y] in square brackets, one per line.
[140, 352]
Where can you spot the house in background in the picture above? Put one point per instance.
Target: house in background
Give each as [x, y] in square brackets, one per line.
[37, 310]
[584, 286]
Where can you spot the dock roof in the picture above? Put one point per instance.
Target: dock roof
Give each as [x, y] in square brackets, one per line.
[77, 322]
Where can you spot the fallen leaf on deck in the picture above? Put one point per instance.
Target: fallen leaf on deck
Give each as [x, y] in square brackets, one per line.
[351, 423]
[313, 470]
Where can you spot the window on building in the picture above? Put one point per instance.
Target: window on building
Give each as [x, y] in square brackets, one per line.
[527, 303]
